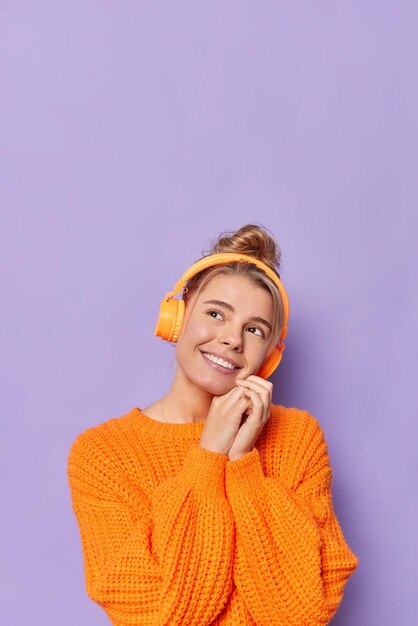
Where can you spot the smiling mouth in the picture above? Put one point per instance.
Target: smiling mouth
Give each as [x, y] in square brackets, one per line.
[219, 364]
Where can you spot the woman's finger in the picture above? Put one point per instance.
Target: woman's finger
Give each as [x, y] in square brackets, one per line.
[249, 384]
[266, 384]
[258, 406]
[256, 380]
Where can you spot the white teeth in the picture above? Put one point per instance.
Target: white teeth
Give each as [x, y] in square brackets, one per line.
[215, 359]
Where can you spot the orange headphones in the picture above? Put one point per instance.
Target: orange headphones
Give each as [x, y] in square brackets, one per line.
[172, 310]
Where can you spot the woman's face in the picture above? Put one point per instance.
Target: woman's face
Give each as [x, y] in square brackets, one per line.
[235, 328]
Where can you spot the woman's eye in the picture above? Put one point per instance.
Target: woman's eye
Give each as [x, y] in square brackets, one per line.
[259, 329]
[213, 311]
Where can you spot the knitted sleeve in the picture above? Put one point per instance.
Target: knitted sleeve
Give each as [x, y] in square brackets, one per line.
[291, 561]
[166, 559]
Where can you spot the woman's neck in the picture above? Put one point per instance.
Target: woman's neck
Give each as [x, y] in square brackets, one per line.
[185, 402]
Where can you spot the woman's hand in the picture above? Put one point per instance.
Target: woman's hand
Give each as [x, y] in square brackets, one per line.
[259, 392]
[223, 431]
[224, 419]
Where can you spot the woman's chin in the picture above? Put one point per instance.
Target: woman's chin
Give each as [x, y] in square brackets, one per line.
[215, 386]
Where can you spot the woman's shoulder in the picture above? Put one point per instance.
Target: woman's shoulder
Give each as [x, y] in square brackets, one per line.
[290, 439]
[286, 419]
[101, 458]
[100, 438]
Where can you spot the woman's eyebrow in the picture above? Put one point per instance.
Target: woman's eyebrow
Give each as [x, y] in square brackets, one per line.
[228, 306]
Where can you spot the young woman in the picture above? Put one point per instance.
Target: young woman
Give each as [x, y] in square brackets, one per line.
[213, 505]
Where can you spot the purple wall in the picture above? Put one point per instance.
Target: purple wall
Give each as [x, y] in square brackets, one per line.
[131, 134]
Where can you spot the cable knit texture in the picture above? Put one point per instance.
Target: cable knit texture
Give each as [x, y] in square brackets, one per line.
[175, 534]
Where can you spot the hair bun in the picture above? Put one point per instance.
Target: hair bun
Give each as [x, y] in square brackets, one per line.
[251, 239]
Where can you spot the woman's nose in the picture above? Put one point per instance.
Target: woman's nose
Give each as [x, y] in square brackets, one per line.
[232, 337]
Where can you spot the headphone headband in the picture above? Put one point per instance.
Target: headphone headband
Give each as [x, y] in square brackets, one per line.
[228, 257]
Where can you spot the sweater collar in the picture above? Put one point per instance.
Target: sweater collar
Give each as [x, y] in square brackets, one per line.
[189, 432]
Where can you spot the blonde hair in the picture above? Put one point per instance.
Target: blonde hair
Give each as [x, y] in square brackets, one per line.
[256, 241]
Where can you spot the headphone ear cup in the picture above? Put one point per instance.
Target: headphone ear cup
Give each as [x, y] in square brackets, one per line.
[178, 318]
[271, 363]
[170, 319]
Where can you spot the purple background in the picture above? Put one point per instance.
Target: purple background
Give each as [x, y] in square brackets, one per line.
[131, 135]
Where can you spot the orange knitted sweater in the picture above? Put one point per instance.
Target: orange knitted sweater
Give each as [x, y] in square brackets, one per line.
[175, 534]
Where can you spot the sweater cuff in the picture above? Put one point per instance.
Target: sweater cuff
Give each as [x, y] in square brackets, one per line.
[205, 470]
[245, 472]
